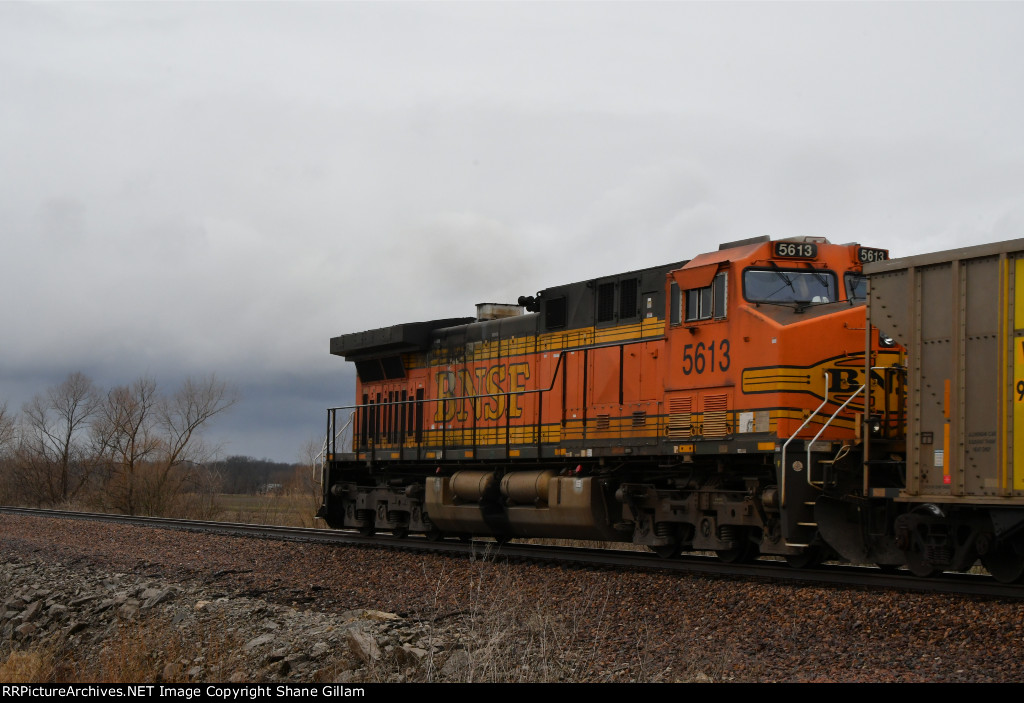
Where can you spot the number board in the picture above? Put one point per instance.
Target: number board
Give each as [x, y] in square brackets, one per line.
[796, 250]
[866, 255]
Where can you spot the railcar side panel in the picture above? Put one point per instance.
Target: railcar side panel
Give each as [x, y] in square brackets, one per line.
[959, 315]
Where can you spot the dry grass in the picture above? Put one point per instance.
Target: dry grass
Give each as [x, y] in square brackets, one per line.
[155, 650]
[148, 650]
[505, 630]
[274, 509]
[36, 665]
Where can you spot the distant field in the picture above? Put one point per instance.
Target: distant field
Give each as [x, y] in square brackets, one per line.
[291, 510]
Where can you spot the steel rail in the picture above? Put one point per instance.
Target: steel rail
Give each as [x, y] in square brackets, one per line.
[838, 575]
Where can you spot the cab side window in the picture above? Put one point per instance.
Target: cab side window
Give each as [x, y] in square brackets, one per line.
[709, 302]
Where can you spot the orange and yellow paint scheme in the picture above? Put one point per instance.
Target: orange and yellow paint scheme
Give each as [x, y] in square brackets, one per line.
[655, 405]
[734, 353]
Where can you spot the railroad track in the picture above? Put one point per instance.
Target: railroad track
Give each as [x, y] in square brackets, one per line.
[778, 571]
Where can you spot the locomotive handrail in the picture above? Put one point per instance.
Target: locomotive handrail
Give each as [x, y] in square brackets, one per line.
[331, 440]
[825, 427]
[840, 409]
[341, 432]
[782, 483]
[321, 459]
[444, 400]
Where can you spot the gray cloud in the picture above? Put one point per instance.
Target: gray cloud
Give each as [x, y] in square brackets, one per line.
[222, 187]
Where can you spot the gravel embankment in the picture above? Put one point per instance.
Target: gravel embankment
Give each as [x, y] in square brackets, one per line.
[252, 610]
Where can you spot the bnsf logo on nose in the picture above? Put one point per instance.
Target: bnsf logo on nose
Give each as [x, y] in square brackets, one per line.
[844, 380]
[849, 380]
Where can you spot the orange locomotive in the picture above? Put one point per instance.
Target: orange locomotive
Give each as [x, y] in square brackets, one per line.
[699, 405]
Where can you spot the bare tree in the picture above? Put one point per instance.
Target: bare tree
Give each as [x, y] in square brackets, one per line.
[184, 413]
[7, 430]
[151, 443]
[52, 461]
[125, 440]
[8, 490]
[303, 486]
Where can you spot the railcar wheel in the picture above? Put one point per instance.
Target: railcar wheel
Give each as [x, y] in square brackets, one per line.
[1005, 565]
[401, 532]
[434, 534]
[809, 558]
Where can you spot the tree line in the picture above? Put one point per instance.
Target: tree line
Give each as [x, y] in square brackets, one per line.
[132, 449]
[246, 474]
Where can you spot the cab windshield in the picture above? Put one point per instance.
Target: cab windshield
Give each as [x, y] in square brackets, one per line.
[776, 285]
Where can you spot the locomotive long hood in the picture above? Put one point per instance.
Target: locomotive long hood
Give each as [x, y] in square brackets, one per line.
[397, 339]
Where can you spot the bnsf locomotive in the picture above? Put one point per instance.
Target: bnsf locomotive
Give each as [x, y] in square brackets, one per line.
[762, 399]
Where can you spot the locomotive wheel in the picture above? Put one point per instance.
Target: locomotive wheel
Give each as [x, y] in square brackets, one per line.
[917, 566]
[1005, 565]
[666, 551]
[810, 557]
[335, 523]
[744, 552]
[367, 530]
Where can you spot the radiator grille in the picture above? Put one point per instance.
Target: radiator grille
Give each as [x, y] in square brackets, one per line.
[680, 418]
[716, 416]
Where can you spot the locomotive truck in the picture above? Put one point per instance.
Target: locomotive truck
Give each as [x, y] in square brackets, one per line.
[789, 397]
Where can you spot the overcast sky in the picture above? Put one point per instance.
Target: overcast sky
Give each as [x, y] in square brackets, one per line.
[195, 188]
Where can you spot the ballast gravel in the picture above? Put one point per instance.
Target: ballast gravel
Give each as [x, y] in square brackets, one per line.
[297, 612]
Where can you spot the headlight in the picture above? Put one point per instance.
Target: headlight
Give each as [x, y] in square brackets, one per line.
[874, 425]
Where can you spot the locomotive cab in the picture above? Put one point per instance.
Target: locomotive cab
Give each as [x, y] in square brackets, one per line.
[765, 346]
